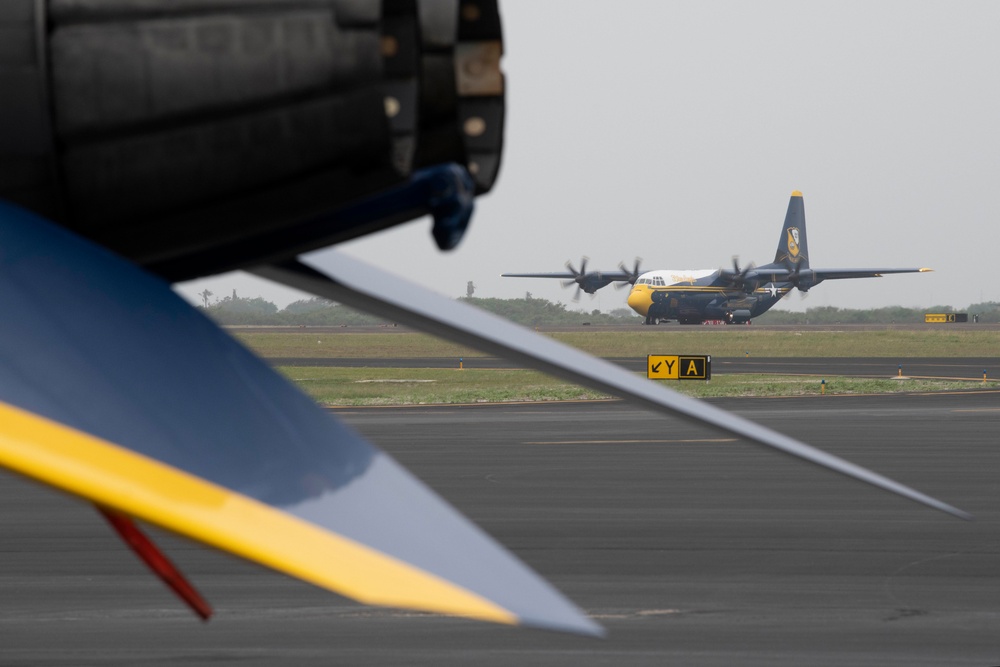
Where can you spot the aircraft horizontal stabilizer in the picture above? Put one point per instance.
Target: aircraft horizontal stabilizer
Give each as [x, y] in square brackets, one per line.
[339, 277]
[116, 390]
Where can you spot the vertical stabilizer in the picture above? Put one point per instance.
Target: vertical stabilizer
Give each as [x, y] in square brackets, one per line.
[792, 248]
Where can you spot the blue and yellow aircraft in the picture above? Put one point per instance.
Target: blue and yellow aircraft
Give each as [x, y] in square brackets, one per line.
[733, 296]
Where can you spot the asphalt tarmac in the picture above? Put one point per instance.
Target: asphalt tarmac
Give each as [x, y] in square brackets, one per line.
[691, 549]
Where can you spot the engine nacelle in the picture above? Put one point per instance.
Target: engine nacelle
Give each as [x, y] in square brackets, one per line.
[202, 136]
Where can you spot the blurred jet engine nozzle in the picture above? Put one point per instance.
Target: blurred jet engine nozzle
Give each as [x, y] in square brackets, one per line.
[197, 136]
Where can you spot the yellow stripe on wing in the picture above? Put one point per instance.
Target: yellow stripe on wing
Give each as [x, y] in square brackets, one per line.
[694, 288]
[116, 477]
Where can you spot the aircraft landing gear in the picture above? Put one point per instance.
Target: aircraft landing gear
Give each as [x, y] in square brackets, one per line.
[651, 320]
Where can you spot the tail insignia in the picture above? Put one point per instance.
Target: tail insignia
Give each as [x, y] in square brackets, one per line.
[793, 242]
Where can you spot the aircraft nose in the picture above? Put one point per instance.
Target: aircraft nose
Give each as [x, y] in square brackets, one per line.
[638, 300]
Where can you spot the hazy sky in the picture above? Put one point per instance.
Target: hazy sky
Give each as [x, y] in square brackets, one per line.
[675, 132]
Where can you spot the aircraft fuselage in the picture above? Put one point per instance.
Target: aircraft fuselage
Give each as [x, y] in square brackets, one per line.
[692, 297]
[732, 295]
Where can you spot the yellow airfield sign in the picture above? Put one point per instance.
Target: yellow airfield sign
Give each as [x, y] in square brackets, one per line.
[679, 367]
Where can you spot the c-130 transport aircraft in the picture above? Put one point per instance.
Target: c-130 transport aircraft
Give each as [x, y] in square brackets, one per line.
[693, 296]
[151, 142]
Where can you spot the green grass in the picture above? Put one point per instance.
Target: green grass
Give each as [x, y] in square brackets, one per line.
[716, 341]
[414, 386]
[738, 341]
[350, 345]
[369, 386]
[775, 385]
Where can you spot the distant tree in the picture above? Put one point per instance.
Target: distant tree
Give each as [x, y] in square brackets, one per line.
[541, 312]
[319, 312]
[307, 306]
[988, 311]
[204, 296]
[832, 315]
[470, 289]
[243, 311]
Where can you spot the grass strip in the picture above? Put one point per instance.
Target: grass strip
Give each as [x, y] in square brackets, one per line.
[416, 386]
[716, 341]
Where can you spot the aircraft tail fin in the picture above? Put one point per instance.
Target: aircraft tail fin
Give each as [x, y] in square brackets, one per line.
[792, 248]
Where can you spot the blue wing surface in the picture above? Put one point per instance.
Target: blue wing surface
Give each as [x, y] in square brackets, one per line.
[115, 389]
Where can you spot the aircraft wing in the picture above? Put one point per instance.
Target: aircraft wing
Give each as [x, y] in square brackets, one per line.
[812, 277]
[339, 277]
[114, 389]
[611, 276]
[836, 274]
[565, 275]
[586, 281]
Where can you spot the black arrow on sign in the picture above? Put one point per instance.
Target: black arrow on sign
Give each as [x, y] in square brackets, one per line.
[656, 366]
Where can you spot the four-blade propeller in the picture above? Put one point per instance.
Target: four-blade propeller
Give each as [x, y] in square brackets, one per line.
[741, 278]
[632, 275]
[582, 280]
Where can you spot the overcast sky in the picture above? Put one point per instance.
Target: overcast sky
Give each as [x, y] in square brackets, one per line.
[676, 132]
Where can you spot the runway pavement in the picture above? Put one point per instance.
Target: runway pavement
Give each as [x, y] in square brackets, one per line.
[691, 549]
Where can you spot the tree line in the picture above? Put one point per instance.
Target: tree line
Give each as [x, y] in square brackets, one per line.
[987, 312]
[532, 312]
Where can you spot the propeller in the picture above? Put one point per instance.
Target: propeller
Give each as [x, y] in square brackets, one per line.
[738, 276]
[796, 278]
[579, 278]
[633, 275]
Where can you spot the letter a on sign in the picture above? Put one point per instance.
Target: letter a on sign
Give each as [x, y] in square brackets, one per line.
[696, 367]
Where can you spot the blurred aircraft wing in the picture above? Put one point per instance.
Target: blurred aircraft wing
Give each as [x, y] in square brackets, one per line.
[838, 274]
[613, 276]
[339, 277]
[565, 275]
[114, 389]
[815, 276]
